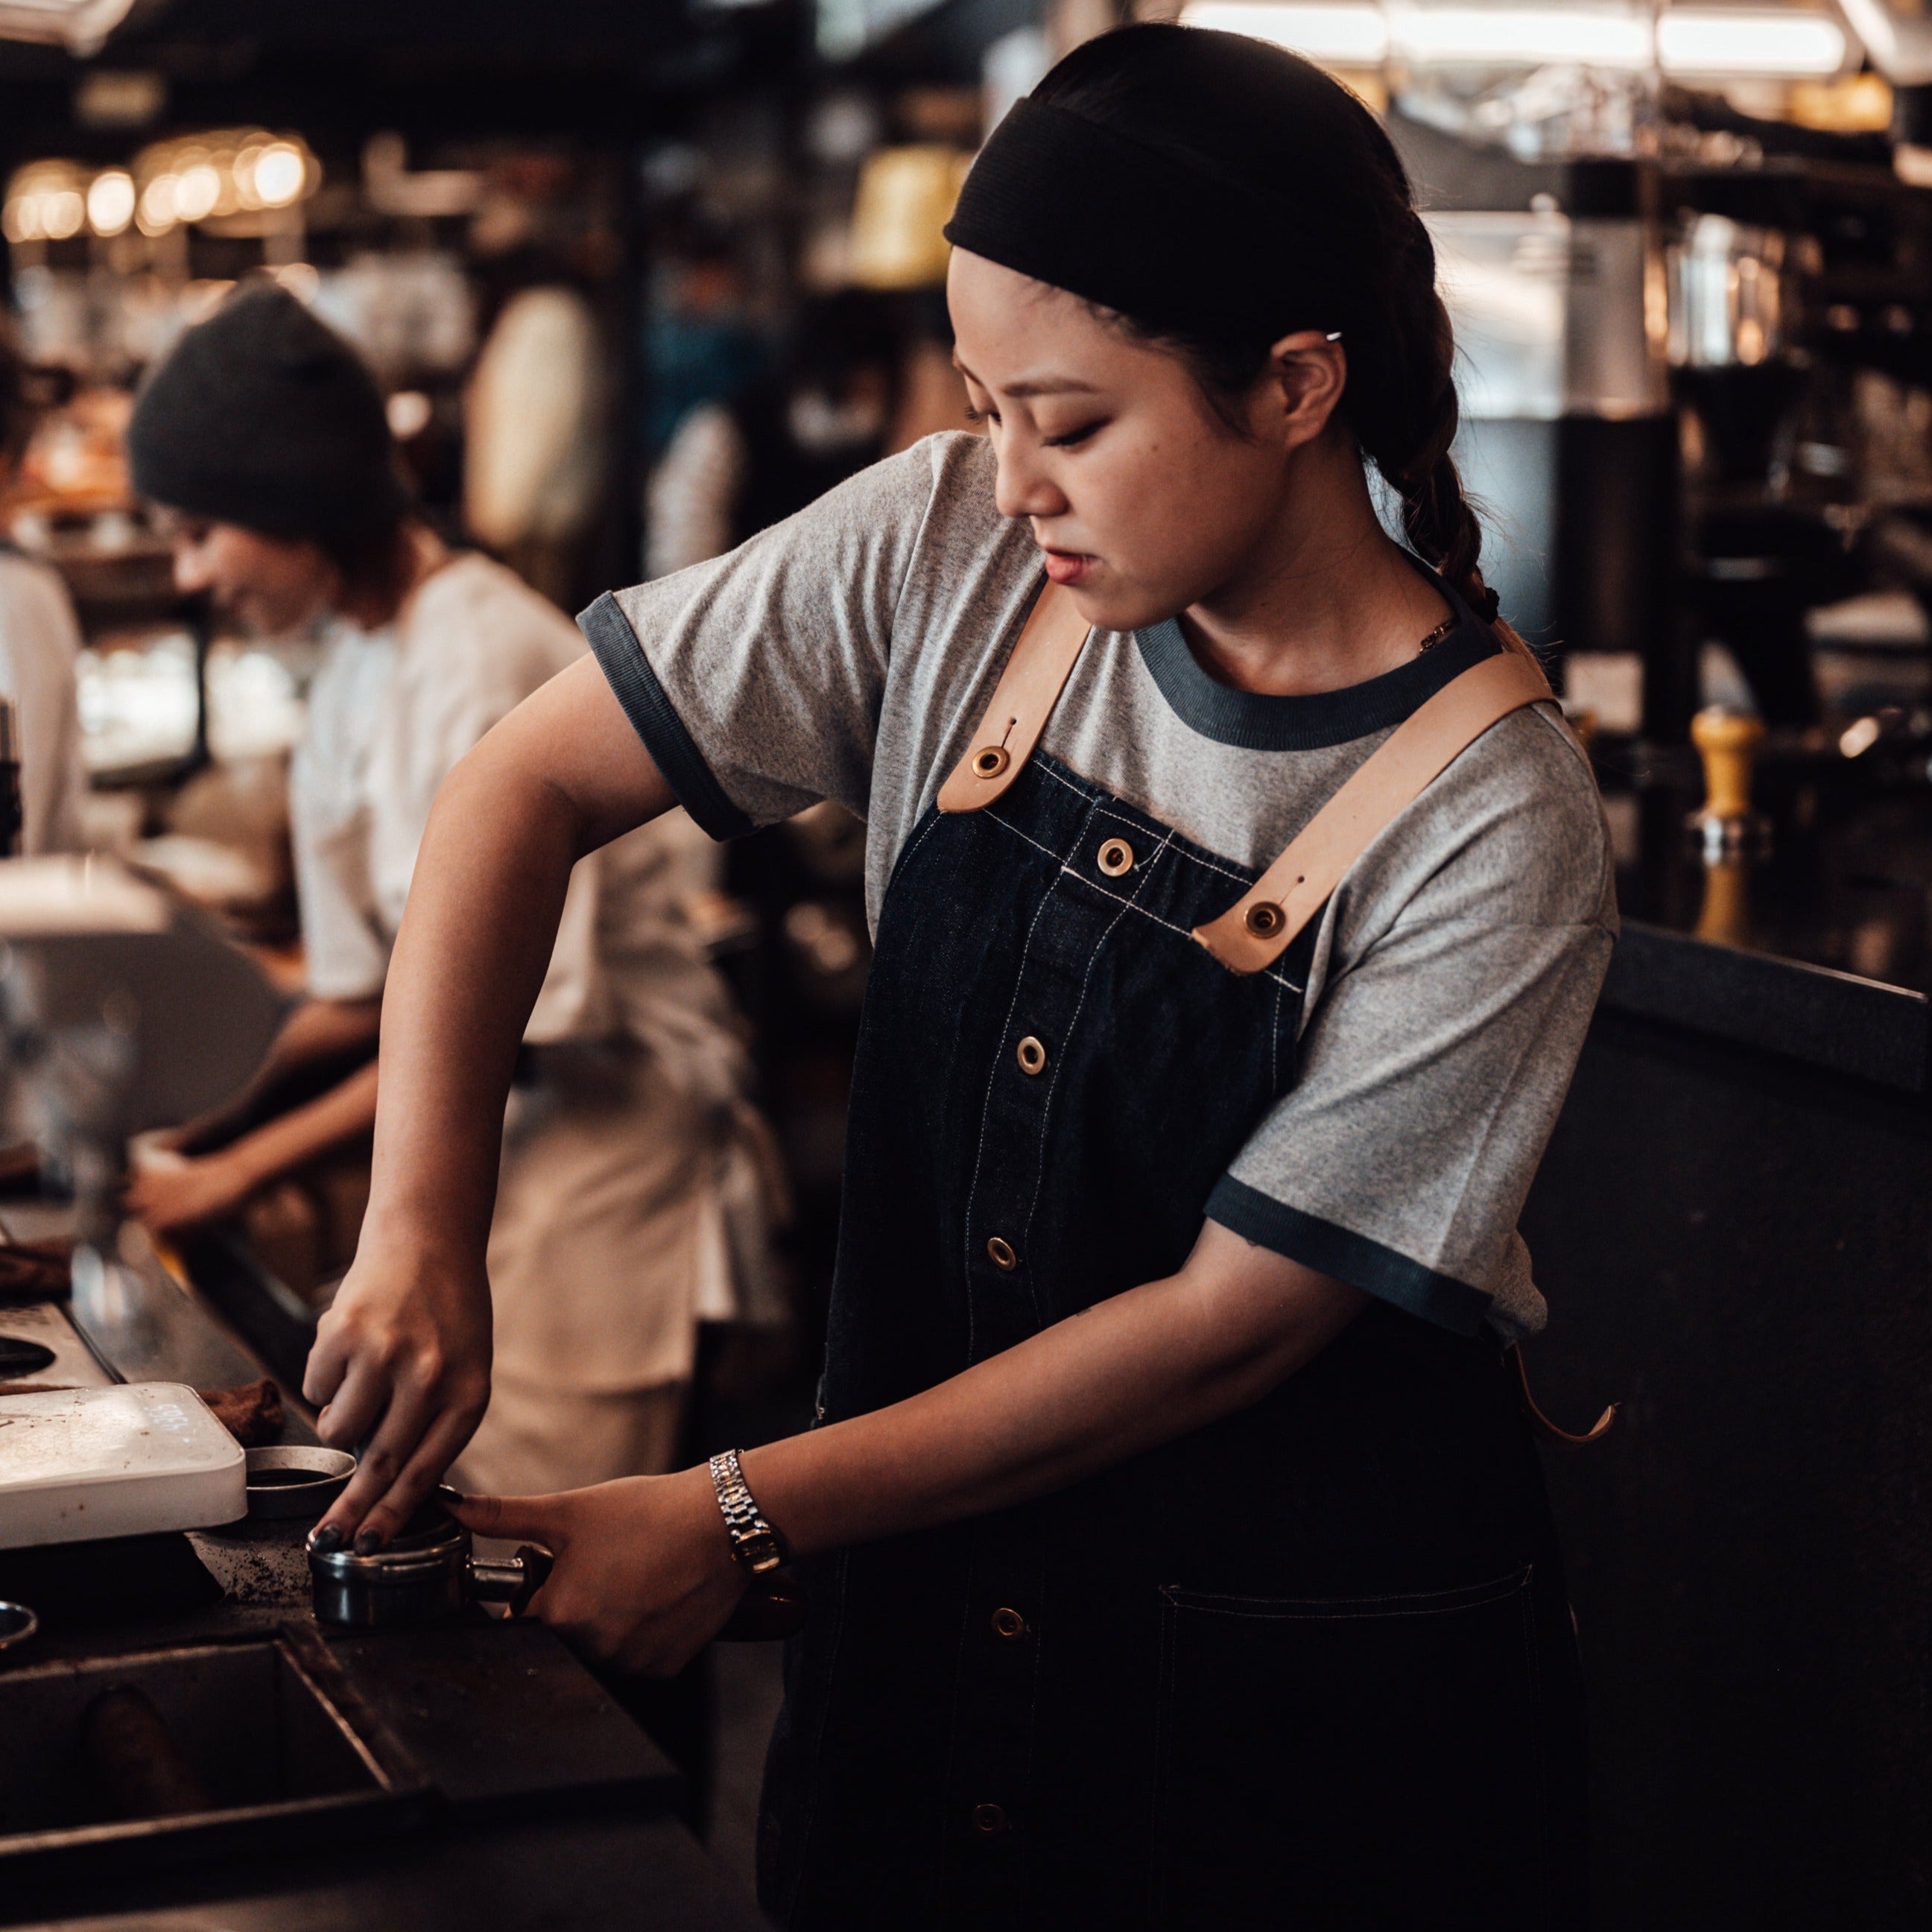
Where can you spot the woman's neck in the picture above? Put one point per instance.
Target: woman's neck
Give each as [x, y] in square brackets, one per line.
[422, 554]
[1325, 599]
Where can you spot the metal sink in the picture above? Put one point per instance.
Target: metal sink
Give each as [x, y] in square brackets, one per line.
[286, 1753]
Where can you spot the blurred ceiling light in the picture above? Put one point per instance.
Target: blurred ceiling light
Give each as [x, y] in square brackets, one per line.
[110, 202]
[197, 191]
[281, 174]
[63, 211]
[1790, 43]
[46, 201]
[1433, 36]
[155, 214]
[1723, 42]
[223, 173]
[1343, 33]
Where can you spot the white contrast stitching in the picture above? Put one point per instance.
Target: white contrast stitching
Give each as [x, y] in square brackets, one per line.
[1086, 980]
[986, 1106]
[1274, 973]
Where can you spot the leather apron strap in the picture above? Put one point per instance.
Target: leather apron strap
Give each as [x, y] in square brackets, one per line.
[1023, 700]
[1259, 927]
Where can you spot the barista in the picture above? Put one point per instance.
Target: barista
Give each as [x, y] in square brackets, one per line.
[1178, 1554]
[39, 640]
[627, 1137]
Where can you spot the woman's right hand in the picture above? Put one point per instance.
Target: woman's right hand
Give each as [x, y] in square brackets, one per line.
[401, 1363]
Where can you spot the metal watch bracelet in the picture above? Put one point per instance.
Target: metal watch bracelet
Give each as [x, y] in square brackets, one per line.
[753, 1541]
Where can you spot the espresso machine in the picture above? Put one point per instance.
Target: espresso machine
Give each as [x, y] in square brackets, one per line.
[1686, 377]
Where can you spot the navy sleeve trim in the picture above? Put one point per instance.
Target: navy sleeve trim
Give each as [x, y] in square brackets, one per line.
[1348, 1256]
[653, 718]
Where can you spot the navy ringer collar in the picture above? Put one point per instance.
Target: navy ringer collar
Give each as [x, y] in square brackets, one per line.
[1258, 721]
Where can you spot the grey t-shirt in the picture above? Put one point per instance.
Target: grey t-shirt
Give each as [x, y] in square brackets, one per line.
[848, 654]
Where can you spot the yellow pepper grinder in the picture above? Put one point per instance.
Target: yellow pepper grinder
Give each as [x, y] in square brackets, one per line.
[1726, 825]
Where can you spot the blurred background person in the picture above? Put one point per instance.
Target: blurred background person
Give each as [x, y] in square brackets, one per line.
[735, 466]
[630, 1203]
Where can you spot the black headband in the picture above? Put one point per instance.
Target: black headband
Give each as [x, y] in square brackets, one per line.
[1158, 236]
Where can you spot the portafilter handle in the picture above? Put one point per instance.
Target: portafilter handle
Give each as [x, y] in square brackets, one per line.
[772, 1609]
[513, 1580]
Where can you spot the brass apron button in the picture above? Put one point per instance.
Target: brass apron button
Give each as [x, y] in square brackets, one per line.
[989, 1819]
[1265, 920]
[990, 760]
[1009, 1625]
[1116, 856]
[1004, 1259]
[1030, 1055]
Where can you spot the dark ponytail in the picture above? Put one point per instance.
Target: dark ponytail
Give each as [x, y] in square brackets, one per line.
[1321, 172]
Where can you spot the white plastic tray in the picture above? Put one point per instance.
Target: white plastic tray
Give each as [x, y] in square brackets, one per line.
[76, 1464]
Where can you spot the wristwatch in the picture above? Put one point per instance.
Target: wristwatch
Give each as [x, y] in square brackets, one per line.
[753, 1541]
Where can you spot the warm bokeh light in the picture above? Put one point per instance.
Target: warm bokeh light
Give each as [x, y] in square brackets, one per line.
[197, 191]
[63, 211]
[279, 173]
[157, 212]
[1703, 42]
[1731, 43]
[110, 202]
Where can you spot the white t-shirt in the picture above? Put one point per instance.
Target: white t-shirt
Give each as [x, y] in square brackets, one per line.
[39, 641]
[390, 712]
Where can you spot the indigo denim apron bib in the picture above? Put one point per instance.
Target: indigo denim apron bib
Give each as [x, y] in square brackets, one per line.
[1311, 1666]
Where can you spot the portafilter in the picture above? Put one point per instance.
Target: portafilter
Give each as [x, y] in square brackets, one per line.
[424, 1574]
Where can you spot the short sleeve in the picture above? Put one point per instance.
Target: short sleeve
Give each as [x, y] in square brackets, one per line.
[756, 680]
[1433, 1068]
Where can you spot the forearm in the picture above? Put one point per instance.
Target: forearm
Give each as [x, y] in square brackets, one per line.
[345, 1114]
[1132, 1372]
[320, 1030]
[317, 1032]
[487, 892]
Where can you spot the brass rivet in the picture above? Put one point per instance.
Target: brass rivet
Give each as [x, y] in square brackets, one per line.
[1009, 1625]
[1265, 920]
[1117, 857]
[1004, 1259]
[990, 760]
[1030, 1055]
[989, 1819]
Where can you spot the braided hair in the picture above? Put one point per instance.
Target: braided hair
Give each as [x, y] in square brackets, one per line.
[1310, 156]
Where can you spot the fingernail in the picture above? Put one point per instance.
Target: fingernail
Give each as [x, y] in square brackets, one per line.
[368, 1542]
[447, 1493]
[326, 1539]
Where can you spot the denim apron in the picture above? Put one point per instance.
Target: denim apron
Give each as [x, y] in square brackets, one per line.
[1310, 1667]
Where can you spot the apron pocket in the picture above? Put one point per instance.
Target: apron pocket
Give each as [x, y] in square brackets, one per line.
[1354, 1762]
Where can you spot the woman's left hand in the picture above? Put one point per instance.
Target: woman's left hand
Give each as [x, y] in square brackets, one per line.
[172, 1192]
[644, 1575]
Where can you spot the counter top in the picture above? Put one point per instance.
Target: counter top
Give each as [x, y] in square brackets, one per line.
[508, 1790]
[1819, 949]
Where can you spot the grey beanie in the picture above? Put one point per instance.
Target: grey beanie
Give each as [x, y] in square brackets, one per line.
[262, 415]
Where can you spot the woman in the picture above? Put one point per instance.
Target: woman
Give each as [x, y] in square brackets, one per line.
[626, 1140]
[1177, 1552]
